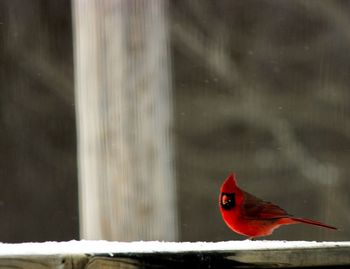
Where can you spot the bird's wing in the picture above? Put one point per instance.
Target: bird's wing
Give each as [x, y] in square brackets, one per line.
[255, 208]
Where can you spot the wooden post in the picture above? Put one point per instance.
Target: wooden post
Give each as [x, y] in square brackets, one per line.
[124, 120]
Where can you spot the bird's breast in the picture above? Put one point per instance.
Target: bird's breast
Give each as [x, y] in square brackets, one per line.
[250, 227]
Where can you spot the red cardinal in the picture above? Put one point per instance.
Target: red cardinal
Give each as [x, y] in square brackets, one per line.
[250, 216]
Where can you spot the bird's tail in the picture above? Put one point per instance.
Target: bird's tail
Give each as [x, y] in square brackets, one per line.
[313, 222]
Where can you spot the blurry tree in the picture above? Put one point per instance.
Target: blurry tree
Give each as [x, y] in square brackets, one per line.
[124, 120]
[38, 198]
[261, 89]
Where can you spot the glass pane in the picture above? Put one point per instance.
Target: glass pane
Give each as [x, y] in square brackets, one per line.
[259, 88]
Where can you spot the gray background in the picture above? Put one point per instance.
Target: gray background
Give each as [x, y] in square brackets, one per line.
[259, 88]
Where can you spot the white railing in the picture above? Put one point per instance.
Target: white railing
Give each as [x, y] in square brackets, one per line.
[151, 254]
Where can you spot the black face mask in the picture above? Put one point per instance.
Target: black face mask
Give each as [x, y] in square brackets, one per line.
[227, 200]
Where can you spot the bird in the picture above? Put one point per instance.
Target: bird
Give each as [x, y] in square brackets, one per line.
[251, 216]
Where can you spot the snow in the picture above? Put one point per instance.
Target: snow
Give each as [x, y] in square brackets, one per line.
[111, 248]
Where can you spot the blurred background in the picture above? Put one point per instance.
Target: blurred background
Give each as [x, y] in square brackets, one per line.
[130, 114]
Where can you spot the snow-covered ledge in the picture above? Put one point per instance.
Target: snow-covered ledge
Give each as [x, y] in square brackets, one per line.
[228, 254]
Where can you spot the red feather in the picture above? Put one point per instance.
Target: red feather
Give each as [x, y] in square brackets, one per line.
[251, 216]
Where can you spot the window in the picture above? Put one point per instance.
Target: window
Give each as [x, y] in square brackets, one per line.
[154, 103]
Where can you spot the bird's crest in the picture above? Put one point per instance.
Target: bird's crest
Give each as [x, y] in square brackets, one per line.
[230, 184]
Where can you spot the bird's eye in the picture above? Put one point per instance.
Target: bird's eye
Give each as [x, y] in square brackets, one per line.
[227, 201]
